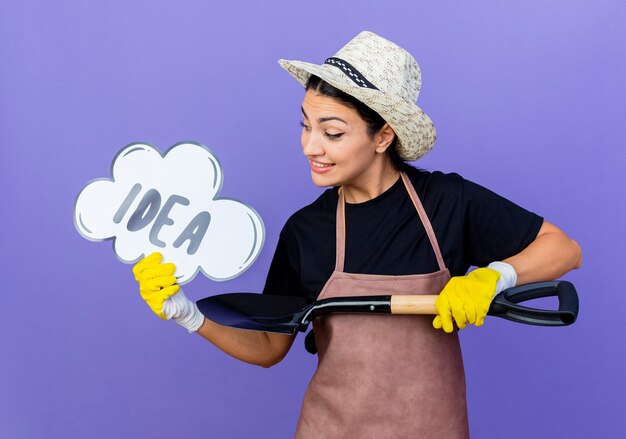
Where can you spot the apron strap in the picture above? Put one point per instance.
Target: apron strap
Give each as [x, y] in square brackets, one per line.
[340, 241]
[425, 221]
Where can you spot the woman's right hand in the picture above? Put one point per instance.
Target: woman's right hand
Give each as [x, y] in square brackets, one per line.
[158, 287]
[156, 282]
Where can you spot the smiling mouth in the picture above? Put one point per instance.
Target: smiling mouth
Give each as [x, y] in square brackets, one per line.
[320, 165]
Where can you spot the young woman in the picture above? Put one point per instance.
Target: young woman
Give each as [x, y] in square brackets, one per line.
[384, 227]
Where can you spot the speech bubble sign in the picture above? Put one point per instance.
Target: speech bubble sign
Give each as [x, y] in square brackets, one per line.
[170, 203]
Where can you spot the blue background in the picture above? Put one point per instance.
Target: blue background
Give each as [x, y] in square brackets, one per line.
[527, 98]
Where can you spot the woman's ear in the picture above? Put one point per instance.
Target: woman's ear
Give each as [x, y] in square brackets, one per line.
[383, 138]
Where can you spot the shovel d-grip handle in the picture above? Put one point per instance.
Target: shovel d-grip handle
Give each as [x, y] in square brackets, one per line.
[507, 304]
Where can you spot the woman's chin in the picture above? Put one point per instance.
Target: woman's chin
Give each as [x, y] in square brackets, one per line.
[322, 180]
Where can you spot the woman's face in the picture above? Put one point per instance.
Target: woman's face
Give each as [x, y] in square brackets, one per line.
[336, 142]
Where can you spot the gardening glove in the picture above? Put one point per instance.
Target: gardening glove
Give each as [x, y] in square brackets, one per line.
[157, 286]
[467, 298]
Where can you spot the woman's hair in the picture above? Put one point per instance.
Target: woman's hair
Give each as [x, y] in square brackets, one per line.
[372, 119]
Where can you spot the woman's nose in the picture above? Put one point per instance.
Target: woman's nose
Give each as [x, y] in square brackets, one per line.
[312, 145]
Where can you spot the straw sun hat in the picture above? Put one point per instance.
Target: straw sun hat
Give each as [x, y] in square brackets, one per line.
[383, 76]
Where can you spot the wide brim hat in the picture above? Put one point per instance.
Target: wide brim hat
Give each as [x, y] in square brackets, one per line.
[383, 76]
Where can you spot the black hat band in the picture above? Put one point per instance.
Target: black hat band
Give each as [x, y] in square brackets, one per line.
[351, 72]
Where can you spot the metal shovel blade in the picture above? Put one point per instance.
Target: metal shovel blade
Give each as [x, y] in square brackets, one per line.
[260, 312]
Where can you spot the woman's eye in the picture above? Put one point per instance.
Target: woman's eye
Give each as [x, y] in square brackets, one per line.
[334, 136]
[328, 135]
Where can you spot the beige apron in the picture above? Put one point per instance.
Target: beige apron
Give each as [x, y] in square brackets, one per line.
[383, 376]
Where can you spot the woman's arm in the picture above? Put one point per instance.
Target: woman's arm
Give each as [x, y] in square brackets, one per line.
[261, 348]
[255, 347]
[158, 287]
[548, 257]
[466, 299]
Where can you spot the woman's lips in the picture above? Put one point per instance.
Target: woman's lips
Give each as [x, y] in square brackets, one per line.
[320, 168]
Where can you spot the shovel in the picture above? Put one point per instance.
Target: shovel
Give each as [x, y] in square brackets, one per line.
[289, 314]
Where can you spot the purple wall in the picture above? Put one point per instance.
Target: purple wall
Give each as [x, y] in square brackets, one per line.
[527, 98]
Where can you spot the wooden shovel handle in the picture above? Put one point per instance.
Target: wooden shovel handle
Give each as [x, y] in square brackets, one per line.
[413, 304]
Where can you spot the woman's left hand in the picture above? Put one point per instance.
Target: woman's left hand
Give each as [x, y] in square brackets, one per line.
[466, 299]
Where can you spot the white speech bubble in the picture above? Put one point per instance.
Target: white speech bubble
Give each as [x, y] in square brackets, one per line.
[169, 203]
